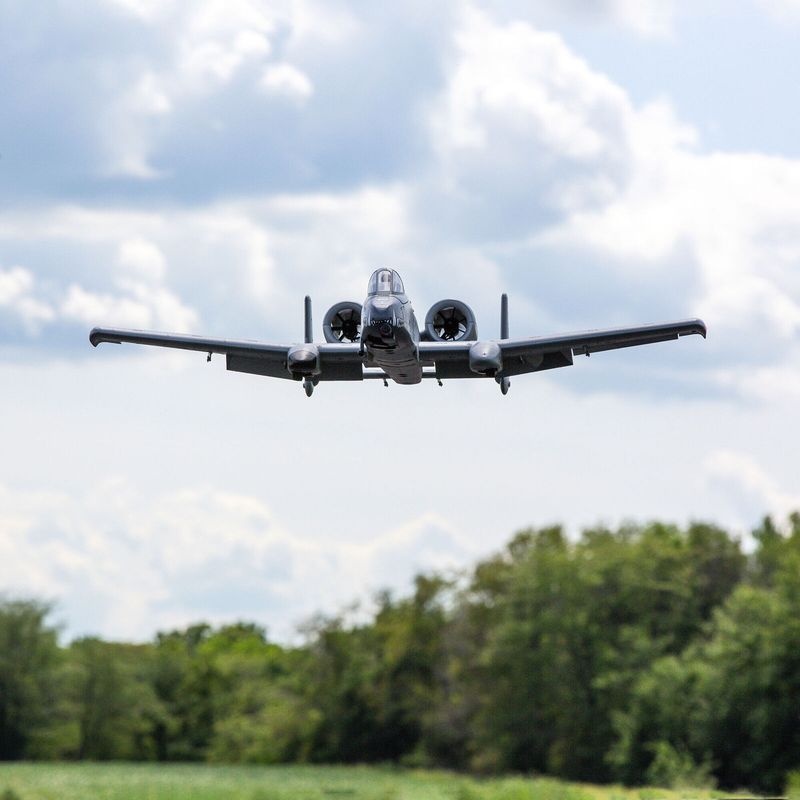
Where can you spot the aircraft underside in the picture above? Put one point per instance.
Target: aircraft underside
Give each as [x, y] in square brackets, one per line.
[400, 362]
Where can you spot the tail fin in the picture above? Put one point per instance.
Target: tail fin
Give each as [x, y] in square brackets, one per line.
[504, 316]
[309, 328]
[504, 382]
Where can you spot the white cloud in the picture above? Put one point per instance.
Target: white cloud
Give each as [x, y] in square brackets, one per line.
[509, 139]
[527, 86]
[137, 305]
[146, 10]
[532, 148]
[736, 216]
[782, 10]
[521, 109]
[747, 486]
[202, 48]
[14, 283]
[17, 287]
[126, 564]
[284, 79]
[140, 299]
[143, 258]
[219, 264]
[646, 17]
[527, 131]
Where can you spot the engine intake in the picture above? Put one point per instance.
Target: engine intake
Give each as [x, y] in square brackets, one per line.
[342, 323]
[450, 321]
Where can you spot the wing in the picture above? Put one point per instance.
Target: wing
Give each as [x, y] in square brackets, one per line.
[451, 359]
[337, 361]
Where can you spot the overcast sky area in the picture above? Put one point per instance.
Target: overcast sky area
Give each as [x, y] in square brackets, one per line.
[200, 166]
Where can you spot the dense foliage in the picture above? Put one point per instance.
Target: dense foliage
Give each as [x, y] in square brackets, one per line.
[647, 654]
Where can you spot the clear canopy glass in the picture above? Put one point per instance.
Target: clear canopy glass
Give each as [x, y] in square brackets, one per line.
[385, 281]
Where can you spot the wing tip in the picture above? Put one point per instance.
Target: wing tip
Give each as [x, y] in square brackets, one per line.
[99, 335]
[689, 326]
[699, 327]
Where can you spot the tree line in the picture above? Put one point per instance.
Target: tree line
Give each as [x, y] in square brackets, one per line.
[646, 654]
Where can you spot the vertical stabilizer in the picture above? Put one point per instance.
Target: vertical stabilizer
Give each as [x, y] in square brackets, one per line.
[309, 328]
[504, 382]
[504, 316]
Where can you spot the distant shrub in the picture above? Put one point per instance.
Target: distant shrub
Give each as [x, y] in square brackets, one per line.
[10, 794]
[267, 794]
[793, 785]
[465, 792]
[676, 769]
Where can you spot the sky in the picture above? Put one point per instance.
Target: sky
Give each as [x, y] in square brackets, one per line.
[201, 166]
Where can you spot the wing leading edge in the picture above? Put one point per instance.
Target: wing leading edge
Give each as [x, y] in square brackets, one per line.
[533, 354]
[337, 361]
[450, 359]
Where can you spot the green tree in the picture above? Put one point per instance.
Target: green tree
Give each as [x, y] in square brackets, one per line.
[29, 658]
[114, 702]
[185, 683]
[260, 714]
[571, 625]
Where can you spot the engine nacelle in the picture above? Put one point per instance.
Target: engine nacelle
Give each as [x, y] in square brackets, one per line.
[450, 321]
[342, 323]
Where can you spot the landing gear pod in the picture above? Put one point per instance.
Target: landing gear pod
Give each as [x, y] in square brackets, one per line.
[485, 358]
[302, 360]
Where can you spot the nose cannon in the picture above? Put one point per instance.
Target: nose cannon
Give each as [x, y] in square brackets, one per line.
[382, 315]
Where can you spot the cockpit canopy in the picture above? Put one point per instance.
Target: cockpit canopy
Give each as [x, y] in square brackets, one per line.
[385, 281]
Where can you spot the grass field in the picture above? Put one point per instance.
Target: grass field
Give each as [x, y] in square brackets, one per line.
[199, 782]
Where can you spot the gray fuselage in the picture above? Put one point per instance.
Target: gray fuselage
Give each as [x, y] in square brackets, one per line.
[390, 336]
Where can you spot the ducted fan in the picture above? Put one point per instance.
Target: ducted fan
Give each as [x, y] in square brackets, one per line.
[450, 321]
[342, 323]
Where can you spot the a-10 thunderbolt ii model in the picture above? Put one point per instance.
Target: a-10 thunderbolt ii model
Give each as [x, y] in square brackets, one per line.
[381, 339]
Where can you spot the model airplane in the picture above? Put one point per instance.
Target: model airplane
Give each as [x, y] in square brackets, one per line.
[381, 339]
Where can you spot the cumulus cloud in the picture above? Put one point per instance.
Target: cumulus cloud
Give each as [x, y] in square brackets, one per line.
[209, 53]
[207, 45]
[782, 10]
[523, 121]
[284, 79]
[546, 159]
[747, 486]
[537, 170]
[138, 296]
[647, 17]
[125, 564]
[705, 208]
[17, 297]
[230, 269]
[525, 81]
[200, 167]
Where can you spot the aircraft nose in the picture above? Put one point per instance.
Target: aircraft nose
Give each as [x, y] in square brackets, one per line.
[382, 310]
[381, 317]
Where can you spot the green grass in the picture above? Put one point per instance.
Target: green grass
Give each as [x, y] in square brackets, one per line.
[199, 782]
